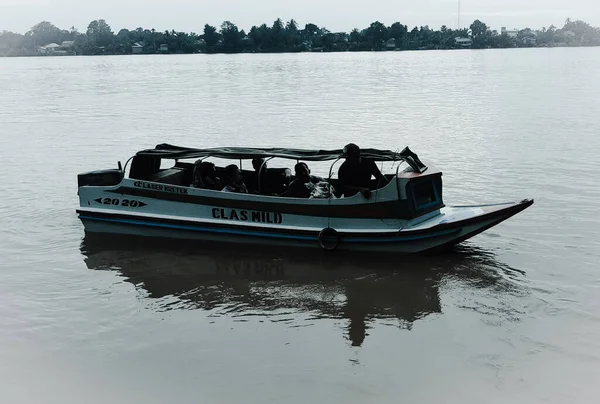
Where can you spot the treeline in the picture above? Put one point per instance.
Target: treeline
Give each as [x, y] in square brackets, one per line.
[99, 38]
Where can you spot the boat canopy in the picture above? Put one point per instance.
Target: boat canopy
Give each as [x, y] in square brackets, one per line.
[168, 151]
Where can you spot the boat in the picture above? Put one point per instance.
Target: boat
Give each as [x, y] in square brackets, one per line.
[406, 215]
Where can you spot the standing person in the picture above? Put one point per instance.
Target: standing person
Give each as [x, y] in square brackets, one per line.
[356, 172]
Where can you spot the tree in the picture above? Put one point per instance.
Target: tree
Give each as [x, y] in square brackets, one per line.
[261, 37]
[211, 38]
[427, 39]
[292, 26]
[398, 32]
[123, 41]
[584, 33]
[232, 38]
[480, 33]
[44, 33]
[12, 44]
[376, 34]
[501, 41]
[478, 29]
[292, 35]
[278, 35]
[412, 39]
[546, 36]
[311, 32]
[99, 33]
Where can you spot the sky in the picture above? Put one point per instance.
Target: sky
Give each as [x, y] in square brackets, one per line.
[335, 15]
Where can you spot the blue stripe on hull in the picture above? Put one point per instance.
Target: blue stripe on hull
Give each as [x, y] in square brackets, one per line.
[268, 235]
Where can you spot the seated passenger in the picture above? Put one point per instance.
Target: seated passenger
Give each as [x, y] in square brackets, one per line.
[355, 173]
[205, 176]
[253, 182]
[304, 184]
[272, 181]
[259, 162]
[235, 183]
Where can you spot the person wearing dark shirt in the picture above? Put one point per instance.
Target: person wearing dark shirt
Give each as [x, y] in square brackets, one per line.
[205, 176]
[356, 172]
[260, 166]
[304, 183]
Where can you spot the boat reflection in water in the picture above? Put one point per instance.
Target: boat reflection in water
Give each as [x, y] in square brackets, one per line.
[242, 281]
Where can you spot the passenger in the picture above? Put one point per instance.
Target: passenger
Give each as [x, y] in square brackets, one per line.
[253, 182]
[259, 162]
[273, 181]
[197, 176]
[205, 176]
[304, 184]
[234, 180]
[356, 172]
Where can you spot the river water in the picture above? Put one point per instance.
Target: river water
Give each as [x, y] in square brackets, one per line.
[511, 316]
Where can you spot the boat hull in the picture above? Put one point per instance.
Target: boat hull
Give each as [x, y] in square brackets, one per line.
[440, 231]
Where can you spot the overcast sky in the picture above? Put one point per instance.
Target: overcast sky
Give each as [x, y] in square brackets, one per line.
[336, 15]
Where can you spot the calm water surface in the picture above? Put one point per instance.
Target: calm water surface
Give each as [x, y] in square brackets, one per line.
[512, 316]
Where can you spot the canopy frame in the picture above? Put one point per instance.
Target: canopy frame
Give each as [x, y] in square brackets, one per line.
[167, 151]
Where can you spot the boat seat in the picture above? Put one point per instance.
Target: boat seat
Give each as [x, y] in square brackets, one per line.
[273, 180]
[144, 167]
[173, 176]
[188, 172]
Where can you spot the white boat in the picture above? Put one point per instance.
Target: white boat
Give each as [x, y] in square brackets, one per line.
[407, 215]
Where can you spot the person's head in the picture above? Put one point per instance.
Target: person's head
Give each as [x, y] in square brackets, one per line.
[259, 162]
[207, 169]
[233, 175]
[302, 171]
[351, 153]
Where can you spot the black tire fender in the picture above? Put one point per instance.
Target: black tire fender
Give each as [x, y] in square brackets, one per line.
[329, 239]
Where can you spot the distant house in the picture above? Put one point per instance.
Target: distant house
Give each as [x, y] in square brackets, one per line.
[528, 37]
[67, 45]
[137, 48]
[164, 48]
[390, 44]
[512, 33]
[463, 42]
[52, 47]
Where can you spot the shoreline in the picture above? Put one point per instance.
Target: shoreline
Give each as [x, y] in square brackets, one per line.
[298, 52]
[45, 39]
